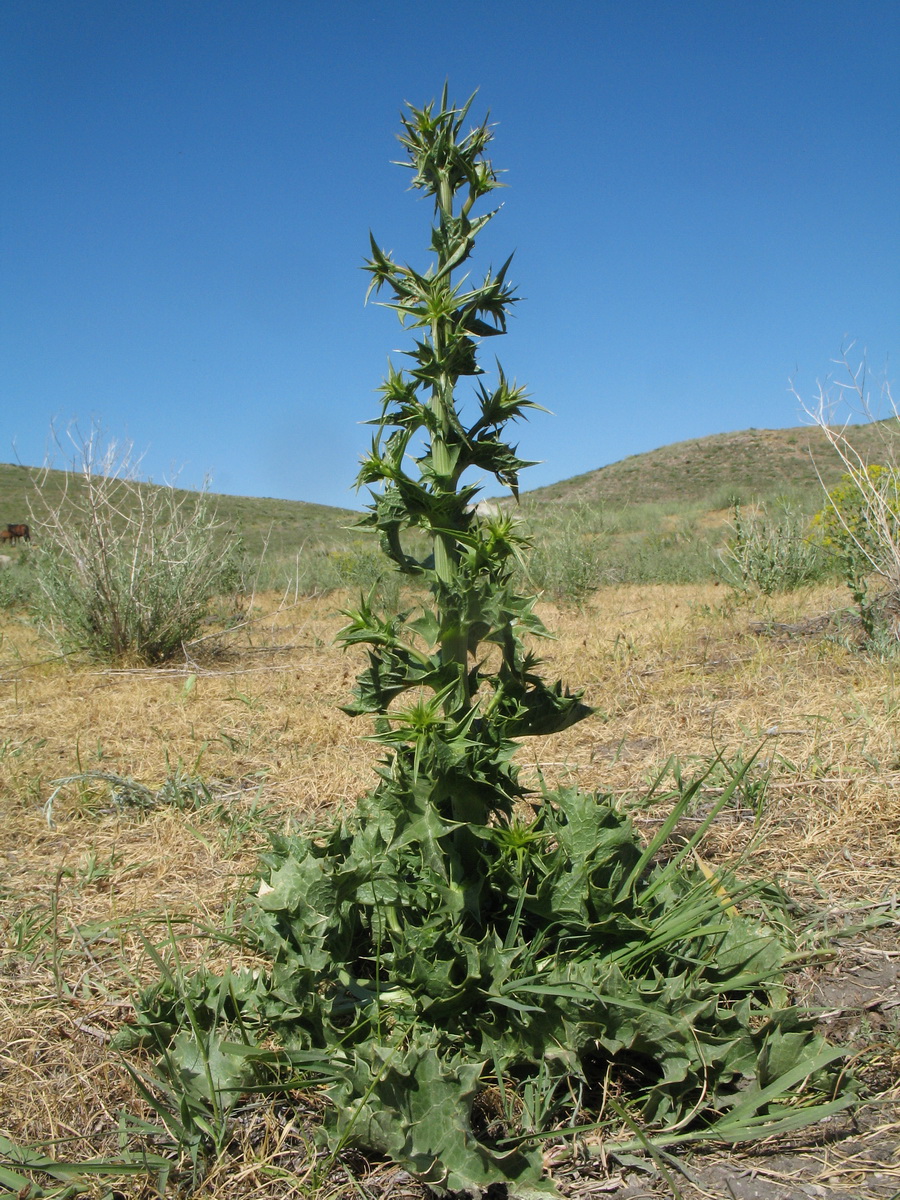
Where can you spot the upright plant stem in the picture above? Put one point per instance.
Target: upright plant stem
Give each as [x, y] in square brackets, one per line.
[469, 570]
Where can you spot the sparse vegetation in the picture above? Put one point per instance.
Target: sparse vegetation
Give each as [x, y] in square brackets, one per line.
[670, 536]
[17, 583]
[664, 666]
[569, 551]
[771, 553]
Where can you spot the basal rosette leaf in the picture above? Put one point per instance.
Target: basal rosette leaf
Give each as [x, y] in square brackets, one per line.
[414, 1104]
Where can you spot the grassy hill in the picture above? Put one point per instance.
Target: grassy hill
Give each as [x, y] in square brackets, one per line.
[663, 516]
[754, 464]
[284, 526]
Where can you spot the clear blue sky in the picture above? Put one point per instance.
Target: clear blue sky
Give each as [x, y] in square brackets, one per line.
[703, 201]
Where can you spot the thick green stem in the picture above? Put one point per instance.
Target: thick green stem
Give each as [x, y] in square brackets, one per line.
[454, 646]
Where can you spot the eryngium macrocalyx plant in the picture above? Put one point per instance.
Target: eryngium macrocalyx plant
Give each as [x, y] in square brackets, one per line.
[466, 977]
[464, 659]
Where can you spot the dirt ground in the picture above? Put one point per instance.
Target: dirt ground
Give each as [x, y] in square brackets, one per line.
[90, 867]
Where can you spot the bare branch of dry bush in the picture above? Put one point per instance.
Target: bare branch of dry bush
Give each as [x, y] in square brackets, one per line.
[863, 513]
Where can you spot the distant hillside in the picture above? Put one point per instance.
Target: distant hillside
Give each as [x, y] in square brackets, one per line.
[283, 525]
[752, 464]
[707, 472]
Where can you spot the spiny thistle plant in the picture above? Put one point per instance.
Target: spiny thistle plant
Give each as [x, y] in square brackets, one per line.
[468, 971]
[459, 738]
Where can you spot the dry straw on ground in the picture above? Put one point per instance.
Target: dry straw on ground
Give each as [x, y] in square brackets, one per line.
[670, 670]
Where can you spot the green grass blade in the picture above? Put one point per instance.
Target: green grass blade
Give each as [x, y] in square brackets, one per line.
[661, 837]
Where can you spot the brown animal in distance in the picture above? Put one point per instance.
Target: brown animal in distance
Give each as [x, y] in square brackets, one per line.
[14, 532]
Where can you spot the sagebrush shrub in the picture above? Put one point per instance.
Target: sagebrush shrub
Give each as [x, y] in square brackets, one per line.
[125, 570]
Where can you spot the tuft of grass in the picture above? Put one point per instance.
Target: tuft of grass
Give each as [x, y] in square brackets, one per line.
[18, 586]
[568, 546]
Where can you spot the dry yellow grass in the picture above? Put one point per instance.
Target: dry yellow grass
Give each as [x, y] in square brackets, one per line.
[674, 671]
[671, 671]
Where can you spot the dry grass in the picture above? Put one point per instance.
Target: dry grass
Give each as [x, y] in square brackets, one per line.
[674, 671]
[671, 671]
